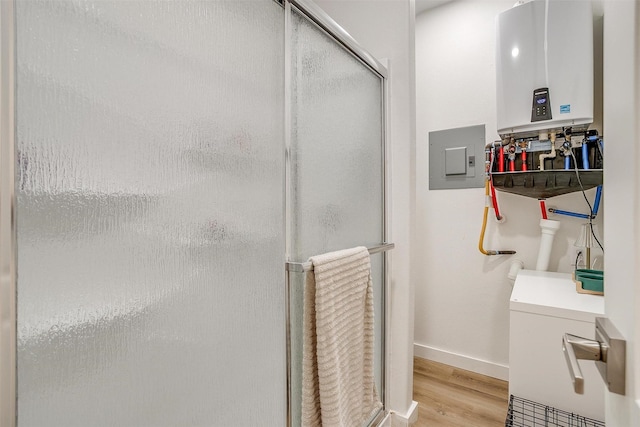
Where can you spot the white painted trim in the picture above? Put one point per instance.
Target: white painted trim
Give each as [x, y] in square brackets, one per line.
[386, 421]
[484, 367]
[405, 420]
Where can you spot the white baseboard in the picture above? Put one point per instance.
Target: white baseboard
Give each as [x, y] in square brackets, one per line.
[468, 363]
[405, 420]
[386, 421]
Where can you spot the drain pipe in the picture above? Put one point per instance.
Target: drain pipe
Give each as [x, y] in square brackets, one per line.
[548, 227]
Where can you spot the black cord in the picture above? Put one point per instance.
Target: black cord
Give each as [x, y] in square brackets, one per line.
[586, 200]
[594, 235]
[575, 168]
[577, 258]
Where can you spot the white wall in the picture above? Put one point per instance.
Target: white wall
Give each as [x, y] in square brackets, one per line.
[386, 29]
[462, 296]
[622, 183]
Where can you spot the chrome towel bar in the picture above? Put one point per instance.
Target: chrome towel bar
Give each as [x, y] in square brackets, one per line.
[301, 267]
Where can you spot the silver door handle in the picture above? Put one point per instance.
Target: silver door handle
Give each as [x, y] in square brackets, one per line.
[608, 350]
[574, 348]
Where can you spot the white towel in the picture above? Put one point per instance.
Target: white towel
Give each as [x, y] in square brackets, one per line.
[338, 388]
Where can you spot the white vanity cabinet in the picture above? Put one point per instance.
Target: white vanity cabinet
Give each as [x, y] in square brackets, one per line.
[543, 307]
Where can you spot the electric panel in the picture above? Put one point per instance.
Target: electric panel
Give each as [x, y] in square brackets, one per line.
[452, 158]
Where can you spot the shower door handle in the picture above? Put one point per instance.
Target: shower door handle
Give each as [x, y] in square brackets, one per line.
[574, 348]
[608, 350]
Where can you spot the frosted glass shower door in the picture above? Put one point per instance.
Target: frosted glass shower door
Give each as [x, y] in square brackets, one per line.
[336, 168]
[149, 183]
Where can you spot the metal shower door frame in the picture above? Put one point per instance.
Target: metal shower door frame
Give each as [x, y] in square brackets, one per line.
[8, 245]
[330, 27]
[8, 319]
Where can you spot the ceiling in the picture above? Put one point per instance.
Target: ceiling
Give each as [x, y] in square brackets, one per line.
[422, 5]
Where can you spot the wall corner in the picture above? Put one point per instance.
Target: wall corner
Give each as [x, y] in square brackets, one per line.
[407, 419]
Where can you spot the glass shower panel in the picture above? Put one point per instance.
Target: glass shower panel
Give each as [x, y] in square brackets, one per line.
[336, 146]
[336, 169]
[150, 213]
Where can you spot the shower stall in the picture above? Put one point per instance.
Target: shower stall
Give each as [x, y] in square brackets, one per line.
[162, 163]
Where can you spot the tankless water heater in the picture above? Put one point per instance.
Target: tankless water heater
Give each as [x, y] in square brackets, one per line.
[544, 67]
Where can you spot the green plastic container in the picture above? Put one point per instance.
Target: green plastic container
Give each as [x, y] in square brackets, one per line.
[592, 280]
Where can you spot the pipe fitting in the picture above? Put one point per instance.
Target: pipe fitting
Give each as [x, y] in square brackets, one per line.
[552, 154]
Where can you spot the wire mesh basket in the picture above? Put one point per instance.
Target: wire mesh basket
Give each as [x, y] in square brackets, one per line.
[525, 413]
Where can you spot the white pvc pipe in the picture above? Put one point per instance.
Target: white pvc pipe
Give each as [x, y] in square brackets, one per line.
[548, 228]
[552, 153]
[514, 269]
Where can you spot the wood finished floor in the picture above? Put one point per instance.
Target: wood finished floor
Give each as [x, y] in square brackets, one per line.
[452, 397]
